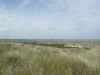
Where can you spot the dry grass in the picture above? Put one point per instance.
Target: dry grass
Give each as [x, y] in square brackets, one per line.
[20, 59]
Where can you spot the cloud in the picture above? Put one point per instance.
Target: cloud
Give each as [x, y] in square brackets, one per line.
[51, 19]
[3, 29]
[24, 3]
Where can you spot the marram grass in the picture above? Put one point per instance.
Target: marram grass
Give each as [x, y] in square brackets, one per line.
[20, 59]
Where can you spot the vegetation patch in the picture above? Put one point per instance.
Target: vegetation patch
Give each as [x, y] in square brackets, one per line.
[28, 59]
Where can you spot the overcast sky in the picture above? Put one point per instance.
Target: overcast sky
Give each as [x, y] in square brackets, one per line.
[50, 19]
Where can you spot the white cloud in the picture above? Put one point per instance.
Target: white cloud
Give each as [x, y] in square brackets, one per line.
[60, 18]
[24, 3]
[3, 29]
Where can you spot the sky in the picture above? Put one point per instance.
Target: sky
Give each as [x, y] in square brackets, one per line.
[49, 19]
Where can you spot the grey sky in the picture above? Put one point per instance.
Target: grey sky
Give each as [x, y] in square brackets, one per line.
[50, 19]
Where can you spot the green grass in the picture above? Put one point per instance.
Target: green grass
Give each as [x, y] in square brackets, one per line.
[26, 59]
